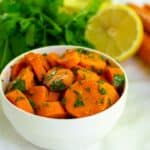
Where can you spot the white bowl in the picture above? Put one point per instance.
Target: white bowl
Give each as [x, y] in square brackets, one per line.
[61, 134]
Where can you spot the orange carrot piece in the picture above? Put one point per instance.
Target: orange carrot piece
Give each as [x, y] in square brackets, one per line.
[108, 90]
[53, 96]
[144, 51]
[27, 76]
[38, 94]
[144, 14]
[82, 98]
[110, 72]
[44, 62]
[147, 6]
[52, 109]
[93, 61]
[87, 74]
[88, 97]
[58, 79]
[20, 100]
[53, 59]
[16, 68]
[69, 59]
[35, 61]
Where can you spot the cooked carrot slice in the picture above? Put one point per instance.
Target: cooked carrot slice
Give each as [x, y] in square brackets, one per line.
[110, 72]
[52, 109]
[58, 79]
[144, 14]
[88, 97]
[82, 98]
[16, 68]
[44, 62]
[12, 95]
[87, 74]
[144, 51]
[104, 103]
[27, 76]
[108, 90]
[23, 81]
[147, 7]
[20, 100]
[35, 61]
[69, 59]
[53, 59]
[53, 96]
[38, 94]
[93, 61]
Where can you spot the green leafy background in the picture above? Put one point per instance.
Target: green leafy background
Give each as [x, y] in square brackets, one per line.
[29, 24]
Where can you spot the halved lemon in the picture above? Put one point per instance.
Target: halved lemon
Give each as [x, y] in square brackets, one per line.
[116, 30]
[76, 4]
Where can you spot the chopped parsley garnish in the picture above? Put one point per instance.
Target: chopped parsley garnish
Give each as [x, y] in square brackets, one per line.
[32, 102]
[102, 57]
[82, 51]
[101, 82]
[57, 85]
[102, 91]
[19, 84]
[118, 80]
[78, 102]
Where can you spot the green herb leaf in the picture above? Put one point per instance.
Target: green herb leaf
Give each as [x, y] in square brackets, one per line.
[57, 85]
[82, 51]
[29, 24]
[118, 80]
[102, 57]
[101, 82]
[6, 53]
[30, 35]
[19, 84]
[78, 103]
[102, 91]
[32, 102]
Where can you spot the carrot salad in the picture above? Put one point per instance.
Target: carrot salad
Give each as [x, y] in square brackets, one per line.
[76, 84]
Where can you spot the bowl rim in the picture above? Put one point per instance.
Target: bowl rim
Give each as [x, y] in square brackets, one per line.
[14, 60]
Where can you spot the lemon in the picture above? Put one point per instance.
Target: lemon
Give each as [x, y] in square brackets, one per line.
[76, 4]
[116, 30]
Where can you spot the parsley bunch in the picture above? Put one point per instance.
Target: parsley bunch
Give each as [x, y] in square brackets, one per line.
[29, 24]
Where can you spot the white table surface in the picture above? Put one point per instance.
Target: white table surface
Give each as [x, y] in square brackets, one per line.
[132, 131]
